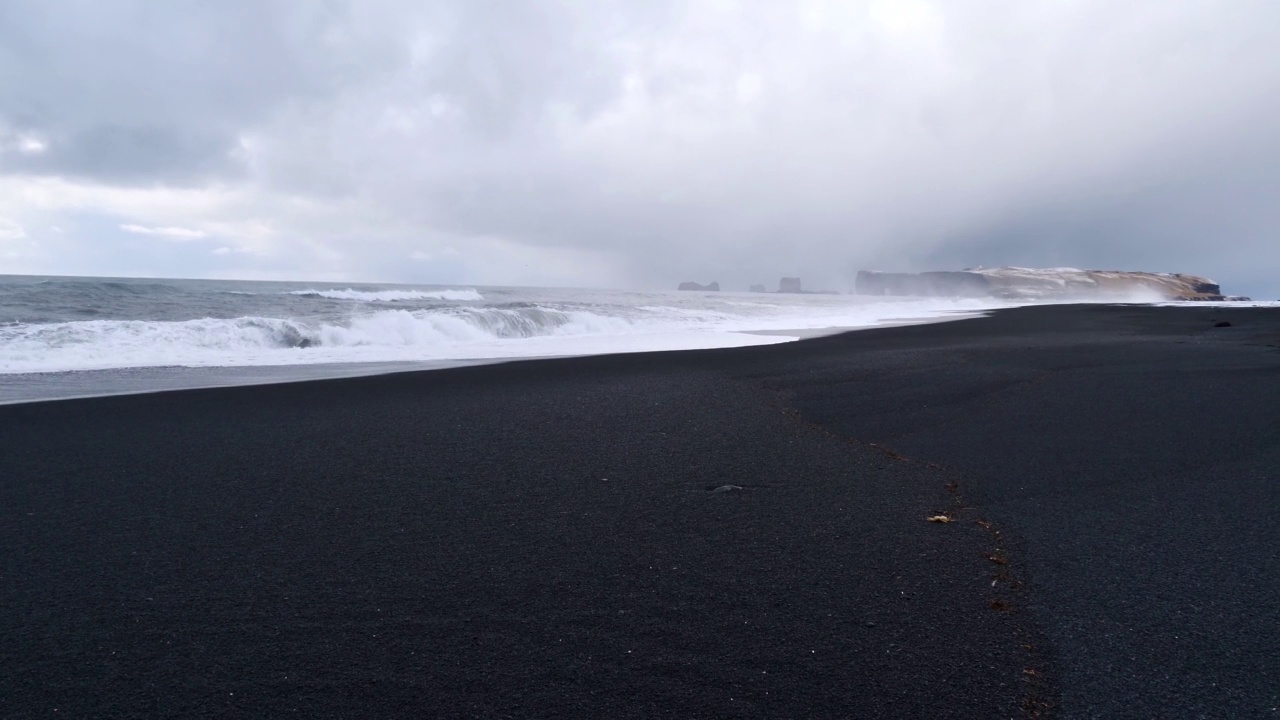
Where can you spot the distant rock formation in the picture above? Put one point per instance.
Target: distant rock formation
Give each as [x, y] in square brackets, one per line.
[688, 285]
[792, 286]
[1036, 283]
[757, 288]
[789, 285]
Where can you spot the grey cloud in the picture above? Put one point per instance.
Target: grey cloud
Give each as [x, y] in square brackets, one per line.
[135, 91]
[131, 153]
[1208, 209]
[736, 141]
[502, 63]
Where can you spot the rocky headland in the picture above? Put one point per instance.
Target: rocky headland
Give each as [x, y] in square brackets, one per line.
[1018, 283]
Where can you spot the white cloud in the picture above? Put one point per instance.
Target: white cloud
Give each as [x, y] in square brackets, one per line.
[31, 145]
[10, 230]
[16, 248]
[169, 233]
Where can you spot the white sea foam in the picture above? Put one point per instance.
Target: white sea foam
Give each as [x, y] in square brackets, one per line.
[434, 334]
[392, 295]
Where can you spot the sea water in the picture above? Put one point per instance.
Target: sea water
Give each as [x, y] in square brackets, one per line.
[64, 336]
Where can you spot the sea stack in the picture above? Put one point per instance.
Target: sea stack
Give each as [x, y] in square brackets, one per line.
[714, 286]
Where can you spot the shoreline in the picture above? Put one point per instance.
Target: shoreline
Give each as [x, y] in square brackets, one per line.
[286, 374]
[552, 538]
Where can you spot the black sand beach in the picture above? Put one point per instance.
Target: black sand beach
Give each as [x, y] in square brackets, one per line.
[546, 538]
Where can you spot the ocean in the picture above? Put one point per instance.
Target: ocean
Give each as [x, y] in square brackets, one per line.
[70, 336]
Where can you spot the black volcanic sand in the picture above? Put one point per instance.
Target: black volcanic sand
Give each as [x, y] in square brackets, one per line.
[544, 538]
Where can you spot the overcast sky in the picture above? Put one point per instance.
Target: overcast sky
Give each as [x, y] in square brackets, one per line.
[638, 143]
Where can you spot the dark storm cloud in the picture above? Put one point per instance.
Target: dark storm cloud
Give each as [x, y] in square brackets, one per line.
[1205, 208]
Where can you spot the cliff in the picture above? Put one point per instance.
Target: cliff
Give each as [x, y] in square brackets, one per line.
[1040, 283]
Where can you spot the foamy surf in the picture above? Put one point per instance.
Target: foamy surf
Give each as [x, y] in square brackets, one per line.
[399, 336]
[130, 335]
[389, 336]
[391, 295]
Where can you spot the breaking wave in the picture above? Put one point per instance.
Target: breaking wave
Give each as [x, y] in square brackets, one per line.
[72, 325]
[392, 295]
[389, 335]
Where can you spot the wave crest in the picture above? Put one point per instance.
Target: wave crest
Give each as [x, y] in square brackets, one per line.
[468, 295]
[394, 334]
